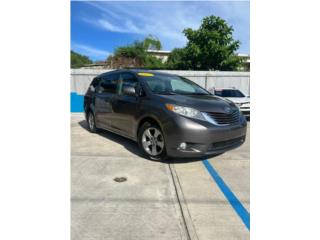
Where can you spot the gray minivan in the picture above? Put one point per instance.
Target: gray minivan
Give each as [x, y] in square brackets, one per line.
[168, 115]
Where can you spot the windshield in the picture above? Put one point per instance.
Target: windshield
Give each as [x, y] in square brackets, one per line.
[229, 93]
[167, 84]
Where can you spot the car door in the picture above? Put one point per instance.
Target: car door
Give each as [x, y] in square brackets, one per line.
[125, 107]
[105, 92]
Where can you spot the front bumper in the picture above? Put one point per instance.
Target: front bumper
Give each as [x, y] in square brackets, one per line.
[245, 109]
[202, 138]
[245, 112]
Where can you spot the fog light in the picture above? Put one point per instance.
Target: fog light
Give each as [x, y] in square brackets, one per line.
[183, 146]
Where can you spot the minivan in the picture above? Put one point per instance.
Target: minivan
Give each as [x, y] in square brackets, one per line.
[168, 115]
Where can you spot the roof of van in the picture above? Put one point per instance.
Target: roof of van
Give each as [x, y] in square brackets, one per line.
[136, 70]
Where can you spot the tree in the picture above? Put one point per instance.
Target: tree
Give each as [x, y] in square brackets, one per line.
[135, 50]
[211, 47]
[136, 55]
[177, 59]
[152, 43]
[78, 60]
[152, 62]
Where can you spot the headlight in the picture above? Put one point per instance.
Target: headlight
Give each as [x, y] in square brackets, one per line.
[186, 111]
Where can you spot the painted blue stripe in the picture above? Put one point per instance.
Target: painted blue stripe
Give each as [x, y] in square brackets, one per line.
[233, 200]
[76, 102]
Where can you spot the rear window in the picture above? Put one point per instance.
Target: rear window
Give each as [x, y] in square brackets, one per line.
[95, 82]
[229, 93]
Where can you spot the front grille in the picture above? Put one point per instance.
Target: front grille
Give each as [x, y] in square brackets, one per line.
[225, 118]
[226, 144]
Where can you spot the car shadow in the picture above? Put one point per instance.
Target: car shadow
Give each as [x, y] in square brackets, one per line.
[133, 147]
[130, 145]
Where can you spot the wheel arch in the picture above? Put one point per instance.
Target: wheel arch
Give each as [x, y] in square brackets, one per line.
[150, 119]
[89, 108]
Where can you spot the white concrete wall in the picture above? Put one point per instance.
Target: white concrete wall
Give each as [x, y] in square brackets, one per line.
[81, 78]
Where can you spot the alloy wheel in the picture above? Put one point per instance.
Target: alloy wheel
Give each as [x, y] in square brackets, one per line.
[152, 141]
[91, 121]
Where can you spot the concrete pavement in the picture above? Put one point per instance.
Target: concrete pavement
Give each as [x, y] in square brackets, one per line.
[177, 200]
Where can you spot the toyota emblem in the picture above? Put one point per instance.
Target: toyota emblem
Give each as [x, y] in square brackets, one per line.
[227, 109]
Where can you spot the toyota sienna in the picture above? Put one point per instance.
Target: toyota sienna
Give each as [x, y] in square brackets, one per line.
[168, 115]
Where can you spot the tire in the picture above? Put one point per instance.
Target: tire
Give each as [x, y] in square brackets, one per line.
[91, 122]
[151, 142]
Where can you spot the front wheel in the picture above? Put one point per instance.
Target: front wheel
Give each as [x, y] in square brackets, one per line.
[151, 141]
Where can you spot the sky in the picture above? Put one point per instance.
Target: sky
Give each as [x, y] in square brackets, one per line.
[98, 27]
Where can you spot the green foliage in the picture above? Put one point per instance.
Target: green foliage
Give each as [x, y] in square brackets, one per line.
[136, 55]
[135, 50]
[176, 59]
[152, 62]
[78, 60]
[211, 47]
[151, 42]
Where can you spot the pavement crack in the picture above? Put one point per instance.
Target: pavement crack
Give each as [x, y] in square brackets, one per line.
[186, 217]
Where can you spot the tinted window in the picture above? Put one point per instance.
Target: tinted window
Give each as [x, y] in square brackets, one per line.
[232, 93]
[127, 79]
[218, 93]
[109, 83]
[95, 82]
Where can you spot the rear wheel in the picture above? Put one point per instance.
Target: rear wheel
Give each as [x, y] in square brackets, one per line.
[152, 142]
[91, 123]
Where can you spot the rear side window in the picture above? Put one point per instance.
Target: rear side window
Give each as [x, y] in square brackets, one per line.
[95, 82]
[108, 83]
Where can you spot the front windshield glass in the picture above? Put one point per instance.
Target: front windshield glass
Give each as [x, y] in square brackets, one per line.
[167, 84]
[231, 93]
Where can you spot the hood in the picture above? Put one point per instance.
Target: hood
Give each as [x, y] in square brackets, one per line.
[239, 99]
[203, 103]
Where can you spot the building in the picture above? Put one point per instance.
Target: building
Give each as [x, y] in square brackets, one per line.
[245, 66]
[160, 54]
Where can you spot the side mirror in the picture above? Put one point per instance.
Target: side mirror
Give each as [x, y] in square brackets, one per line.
[129, 90]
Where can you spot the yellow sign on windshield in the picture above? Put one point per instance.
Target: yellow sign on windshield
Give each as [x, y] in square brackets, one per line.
[145, 74]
